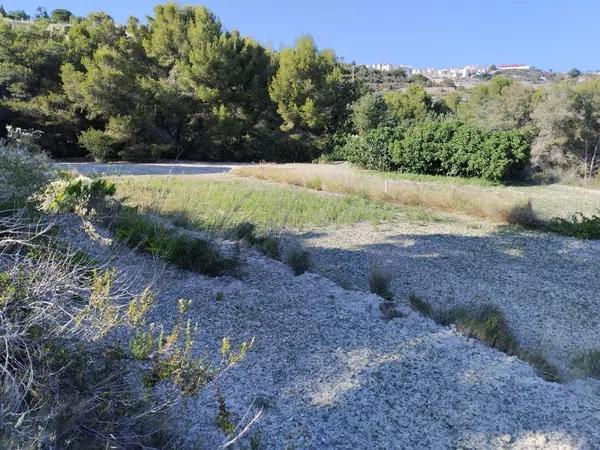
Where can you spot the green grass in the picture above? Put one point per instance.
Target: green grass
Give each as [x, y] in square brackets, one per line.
[588, 363]
[187, 252]
[431, 178]
[487, 324]
[225, 204]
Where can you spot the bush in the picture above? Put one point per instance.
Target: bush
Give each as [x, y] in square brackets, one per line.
[456, 149]
[374, 150]
[187, 252]
[98, 143]
[67, 196]
[22, 173]
[441, 148]
[579, 226]
[379, 282]
[295, 256]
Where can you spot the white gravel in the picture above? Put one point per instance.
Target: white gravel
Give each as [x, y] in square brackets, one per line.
[546, 285]
[331, 374]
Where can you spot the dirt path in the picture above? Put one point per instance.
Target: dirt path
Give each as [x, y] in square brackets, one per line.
[165, 168]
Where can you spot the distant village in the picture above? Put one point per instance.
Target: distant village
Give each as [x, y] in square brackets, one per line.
[452, 72]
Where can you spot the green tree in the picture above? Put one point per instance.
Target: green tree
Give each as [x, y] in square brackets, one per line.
[305, 87]
[369, 112]
[61, 15]
[412, 104]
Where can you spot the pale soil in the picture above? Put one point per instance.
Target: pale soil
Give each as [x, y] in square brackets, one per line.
[546, 285]
[330, 373]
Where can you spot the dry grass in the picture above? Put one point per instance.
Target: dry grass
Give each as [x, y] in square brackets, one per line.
[493, 203]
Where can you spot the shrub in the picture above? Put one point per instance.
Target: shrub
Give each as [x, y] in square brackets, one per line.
[187, 252]
[374, 150]
[295, 256]
[379, 282]
[67, 196]
[485, 323]
[456, 149]
[579, 226]
[99, 143]
[588, 363]
[22, 173]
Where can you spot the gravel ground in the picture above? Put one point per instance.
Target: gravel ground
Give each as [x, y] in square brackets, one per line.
[165, 168]
[331, 373]
[546, 285]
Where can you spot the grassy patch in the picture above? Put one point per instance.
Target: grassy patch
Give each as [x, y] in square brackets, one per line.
[474, 198]
[189, 253]
[588, 363]
[487, 324]
[431, 178]
[379, 282]
[295, 256]
[224, 204]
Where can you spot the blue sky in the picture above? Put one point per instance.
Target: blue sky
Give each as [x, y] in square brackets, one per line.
[550, 34]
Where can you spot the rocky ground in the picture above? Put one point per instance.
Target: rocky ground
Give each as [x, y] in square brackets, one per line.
[546, 285]
[330, 371]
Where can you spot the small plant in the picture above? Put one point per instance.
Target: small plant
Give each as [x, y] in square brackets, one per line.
[420, 305]
[542, 367]
[379, 282]
[588, 363]
[295, 256]
[485, 323]
[524, 215]
[188, 252]
[219, 296]
[246, 231]
[579, 226]
[269, 246]
[224, 417]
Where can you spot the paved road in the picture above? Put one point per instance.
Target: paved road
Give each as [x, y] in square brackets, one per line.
[167, 168]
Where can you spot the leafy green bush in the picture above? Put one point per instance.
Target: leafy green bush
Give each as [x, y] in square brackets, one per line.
[66, 196]
[456, 149]
[98, 143]
[374, 150]
[441, 148]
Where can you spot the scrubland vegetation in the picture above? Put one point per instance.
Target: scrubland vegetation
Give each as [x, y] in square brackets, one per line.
[82, 366]
[202, 91]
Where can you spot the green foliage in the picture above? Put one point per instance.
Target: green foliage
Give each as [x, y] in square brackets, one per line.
[369, 112]
[295, 256]
[379, 282]
[189, 253]
[374, 150]
[579, 226]
[452, 148]
[485, 323]
[305, 86]
[81, 192]
[412, 104]
[588, 363]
